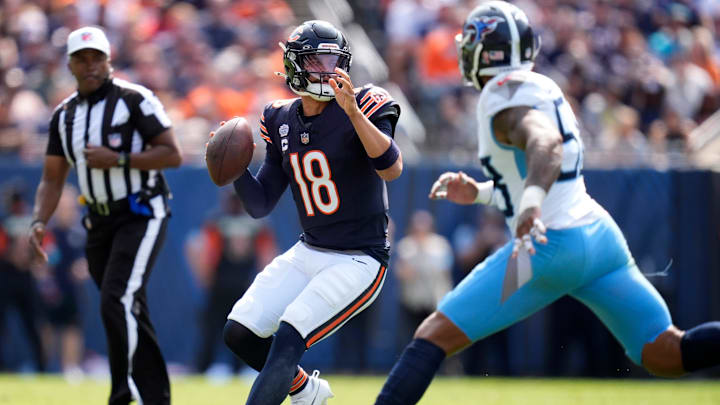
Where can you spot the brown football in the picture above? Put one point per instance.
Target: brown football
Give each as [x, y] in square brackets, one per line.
[229, 152]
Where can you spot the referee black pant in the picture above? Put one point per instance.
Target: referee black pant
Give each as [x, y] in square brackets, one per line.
[121, 250]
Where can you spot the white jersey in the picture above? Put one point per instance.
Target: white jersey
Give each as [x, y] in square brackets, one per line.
[567, 203]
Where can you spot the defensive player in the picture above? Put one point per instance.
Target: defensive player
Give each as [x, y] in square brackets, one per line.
[564, 242]
[334, 146]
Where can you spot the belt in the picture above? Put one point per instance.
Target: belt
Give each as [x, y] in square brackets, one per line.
[106, 208]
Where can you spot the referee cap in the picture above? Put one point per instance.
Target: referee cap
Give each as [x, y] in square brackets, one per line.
[88, 37]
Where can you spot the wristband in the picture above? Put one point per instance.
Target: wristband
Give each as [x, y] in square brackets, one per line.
[123, 159]
[484, 192]
[533, 196]
[35, 222]
[388, 158]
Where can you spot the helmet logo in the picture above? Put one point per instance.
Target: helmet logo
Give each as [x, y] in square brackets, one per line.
[487, 25]
[296, 34]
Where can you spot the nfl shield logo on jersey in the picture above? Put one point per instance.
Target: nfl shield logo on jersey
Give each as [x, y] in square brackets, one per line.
[305, 138]
[115, 140]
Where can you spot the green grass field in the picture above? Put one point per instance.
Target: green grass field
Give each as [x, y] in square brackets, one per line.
[49, 390]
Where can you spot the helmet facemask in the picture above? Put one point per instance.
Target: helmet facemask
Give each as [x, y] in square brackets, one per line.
[309, 71]
[311, 54]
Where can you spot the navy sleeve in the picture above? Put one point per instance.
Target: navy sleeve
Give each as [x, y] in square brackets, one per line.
[385, 126]
[261, 193]
[54, 146]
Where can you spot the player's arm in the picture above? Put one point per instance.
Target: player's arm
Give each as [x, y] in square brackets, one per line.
[261, 193]
[48, 194]
[531, 130]
[383, 152]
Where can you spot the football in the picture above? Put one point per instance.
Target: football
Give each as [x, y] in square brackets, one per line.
[229, 151]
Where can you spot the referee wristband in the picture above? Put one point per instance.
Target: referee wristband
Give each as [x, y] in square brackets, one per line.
[533, 196]
[388, 158]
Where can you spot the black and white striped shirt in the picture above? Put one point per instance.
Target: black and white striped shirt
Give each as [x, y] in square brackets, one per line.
[119, 115]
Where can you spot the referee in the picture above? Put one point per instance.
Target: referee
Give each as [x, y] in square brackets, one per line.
[117, 137]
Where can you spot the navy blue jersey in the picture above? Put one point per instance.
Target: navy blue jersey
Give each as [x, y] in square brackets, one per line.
[340, 199]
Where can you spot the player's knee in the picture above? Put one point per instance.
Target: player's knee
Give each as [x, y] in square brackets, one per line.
[662, 357]
[441, 331]
[237, 337]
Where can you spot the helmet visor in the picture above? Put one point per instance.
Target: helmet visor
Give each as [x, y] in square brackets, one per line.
[321, 67]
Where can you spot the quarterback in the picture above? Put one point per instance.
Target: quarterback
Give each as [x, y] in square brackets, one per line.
[564, 242]
[334, 146]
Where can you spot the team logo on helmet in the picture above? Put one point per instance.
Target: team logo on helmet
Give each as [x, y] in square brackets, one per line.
[296, 34]
[487, 25]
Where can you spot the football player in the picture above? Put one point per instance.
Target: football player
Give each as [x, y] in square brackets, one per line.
[564, 242]
[334, 146]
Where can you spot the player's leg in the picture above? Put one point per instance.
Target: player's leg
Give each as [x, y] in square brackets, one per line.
[343, 286]
[488, 300]
[136, 362]
[628, 304]
[676, 352]
[256, 315]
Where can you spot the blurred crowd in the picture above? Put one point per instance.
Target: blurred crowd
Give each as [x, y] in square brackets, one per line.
[641, 74]
[205, 60]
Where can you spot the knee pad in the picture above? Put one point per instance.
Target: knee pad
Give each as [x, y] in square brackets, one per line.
[237, 336]
[248, 346]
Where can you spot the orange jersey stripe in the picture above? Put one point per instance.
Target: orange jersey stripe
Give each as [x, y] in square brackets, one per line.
[367, 106]
[365, 97]
[265, 137]
[372, 110]
[262, 128]
[350, 311]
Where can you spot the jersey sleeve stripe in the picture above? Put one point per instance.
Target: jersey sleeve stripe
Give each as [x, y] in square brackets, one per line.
[365, 99]
[367, 107]
[263, 129]
[377, 107]
[265, 137]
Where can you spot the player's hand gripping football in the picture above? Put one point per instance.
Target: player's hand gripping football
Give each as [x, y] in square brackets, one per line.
[212, 133]
[456, 187]
[345, 94]
[529, 227]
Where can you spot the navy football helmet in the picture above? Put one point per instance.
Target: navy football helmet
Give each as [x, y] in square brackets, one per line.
[496, 38]
[311, 54]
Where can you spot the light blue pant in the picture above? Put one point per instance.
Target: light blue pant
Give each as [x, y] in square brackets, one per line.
[591, 263]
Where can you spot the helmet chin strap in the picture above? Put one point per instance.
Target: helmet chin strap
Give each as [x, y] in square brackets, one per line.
[314, 95]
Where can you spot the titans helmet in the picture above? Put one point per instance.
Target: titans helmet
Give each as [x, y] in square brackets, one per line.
[311, 54]
[496, 38]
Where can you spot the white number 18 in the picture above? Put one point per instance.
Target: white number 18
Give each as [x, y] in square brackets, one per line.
[317, 182]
